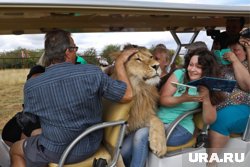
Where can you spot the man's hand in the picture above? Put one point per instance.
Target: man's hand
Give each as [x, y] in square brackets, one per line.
[121, 73]
[125, 56]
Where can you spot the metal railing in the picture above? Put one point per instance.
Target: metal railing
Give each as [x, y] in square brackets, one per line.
[18, 62]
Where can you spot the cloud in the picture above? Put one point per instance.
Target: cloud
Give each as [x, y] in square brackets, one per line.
[12, 42]
[100, 40]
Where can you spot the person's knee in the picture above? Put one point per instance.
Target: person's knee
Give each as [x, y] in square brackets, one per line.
[125, 149]
[17, 148]
[141, 135]
[127, 146]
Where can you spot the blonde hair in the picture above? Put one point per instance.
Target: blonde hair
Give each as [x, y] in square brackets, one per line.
[162, 49]
[43, 61]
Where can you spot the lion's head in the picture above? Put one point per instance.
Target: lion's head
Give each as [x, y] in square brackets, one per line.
[142, 67]
[144, 74]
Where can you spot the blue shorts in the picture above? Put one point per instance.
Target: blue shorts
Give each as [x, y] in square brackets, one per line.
[36, 155]
[231, 119]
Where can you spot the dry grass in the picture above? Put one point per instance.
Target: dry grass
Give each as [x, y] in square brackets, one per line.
[11, 93]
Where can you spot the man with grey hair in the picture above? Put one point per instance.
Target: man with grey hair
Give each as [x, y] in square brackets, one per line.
[67, 98]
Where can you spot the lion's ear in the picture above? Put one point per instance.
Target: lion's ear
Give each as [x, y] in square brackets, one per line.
[114, 55]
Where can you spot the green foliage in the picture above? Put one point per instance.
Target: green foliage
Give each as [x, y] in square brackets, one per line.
[14, 59]
[90, 56]
[90, 52]
[108, 50]
[171, 52]
[178, 61]
[91, 59]
[151, 49]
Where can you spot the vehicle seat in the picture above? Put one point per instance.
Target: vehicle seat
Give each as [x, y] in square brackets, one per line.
[199, 124]
[233, 135]
[112, 135]
[175, 154]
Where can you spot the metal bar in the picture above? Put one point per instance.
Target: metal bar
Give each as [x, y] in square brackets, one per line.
[246, 135]
[179, 45]
[179, 119]
[85, 133]
[118, 146]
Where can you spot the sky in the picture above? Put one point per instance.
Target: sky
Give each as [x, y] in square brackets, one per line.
[100, 40]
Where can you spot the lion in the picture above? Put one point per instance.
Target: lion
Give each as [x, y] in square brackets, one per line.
[144, 74]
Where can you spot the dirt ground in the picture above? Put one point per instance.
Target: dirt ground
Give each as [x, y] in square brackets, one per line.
[11, 93]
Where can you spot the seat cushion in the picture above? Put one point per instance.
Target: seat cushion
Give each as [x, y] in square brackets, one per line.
[233, 135]
[114, 112]
[187, 145]
[101, 153]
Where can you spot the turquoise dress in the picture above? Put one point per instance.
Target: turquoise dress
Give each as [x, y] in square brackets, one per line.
[169, 114]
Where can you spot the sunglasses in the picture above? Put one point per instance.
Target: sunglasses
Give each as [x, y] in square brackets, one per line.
[73, 48]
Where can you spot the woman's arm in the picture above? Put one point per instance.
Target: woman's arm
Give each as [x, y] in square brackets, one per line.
[246, 43]
[208, 110]
[240, 72]
[168, 90]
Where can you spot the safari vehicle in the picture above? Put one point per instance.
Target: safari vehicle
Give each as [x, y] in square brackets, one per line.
[32, 17]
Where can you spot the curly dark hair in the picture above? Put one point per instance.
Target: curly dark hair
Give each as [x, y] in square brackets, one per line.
[206, 59]
[210, 68]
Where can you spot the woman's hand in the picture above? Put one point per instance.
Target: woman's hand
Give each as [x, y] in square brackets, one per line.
[204, 93]
[188, 98]
[208, 110]
[231, 57]
[245, 42]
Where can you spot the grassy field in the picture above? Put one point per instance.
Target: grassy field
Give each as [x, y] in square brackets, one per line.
[11, 93]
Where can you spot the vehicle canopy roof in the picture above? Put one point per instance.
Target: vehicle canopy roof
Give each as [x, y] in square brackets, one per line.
[28, 17]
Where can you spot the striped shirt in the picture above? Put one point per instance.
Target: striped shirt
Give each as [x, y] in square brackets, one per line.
[67, 98]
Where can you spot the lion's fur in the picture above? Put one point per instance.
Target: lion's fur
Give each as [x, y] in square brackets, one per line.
[140, 68]
[143, 107]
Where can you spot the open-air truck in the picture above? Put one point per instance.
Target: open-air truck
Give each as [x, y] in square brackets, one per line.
[32, 17]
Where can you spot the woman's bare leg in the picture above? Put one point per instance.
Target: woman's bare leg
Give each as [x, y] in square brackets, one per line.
[217, 142]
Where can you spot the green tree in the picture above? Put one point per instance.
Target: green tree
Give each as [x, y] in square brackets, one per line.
[178, 61]
[90, 52]
[90, 55]
[108, 50]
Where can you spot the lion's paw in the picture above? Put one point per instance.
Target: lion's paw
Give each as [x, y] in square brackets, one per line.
[157, 143]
